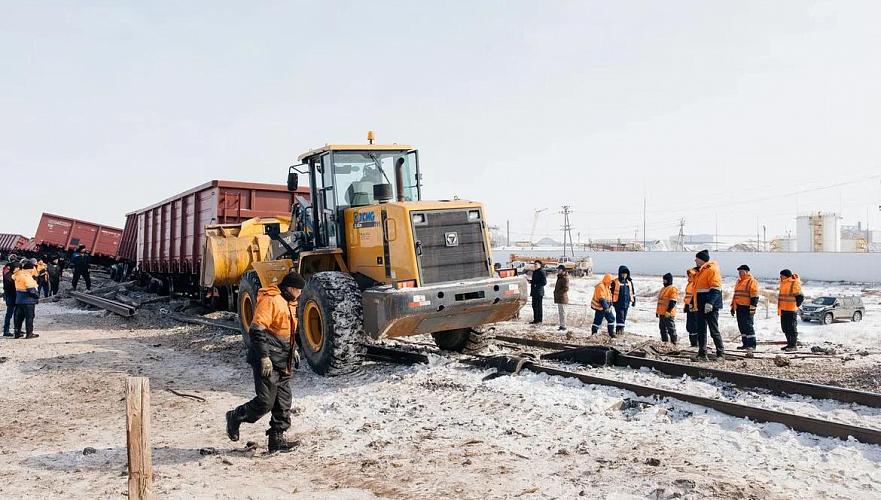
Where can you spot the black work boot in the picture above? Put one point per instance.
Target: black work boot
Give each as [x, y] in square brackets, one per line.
[673, 339]
[277, 442]
[701, 356]
[19, 335]
[232, 425]
[611, 332]
[594, 330]
[32, 335]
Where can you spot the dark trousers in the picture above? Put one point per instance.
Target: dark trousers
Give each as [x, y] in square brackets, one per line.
[24, 313]
[537, 308]
[43, 287]
[691, 328]
[10, 313]
[789, 324]
[77, 272]
[272, 395]
[620, 317]
[703, 322]
[598, 317]
[53, 286]
[667, 325]
[745, 326]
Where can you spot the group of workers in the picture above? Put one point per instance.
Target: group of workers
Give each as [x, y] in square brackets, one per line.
[25, 281]
[612, 298]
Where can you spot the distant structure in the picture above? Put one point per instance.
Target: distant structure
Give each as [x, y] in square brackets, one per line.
[818, 232]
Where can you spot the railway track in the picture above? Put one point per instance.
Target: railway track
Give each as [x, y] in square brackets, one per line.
[507, 364]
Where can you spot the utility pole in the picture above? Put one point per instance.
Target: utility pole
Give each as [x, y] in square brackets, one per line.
[680, 242]
[764, 238]
[567, 230]
[644, 243]
[716, 238]
[758, 241]
[508, 227]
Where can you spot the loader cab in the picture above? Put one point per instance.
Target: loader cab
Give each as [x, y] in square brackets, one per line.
[346, 176]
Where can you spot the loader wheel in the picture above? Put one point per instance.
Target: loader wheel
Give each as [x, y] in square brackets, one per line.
[247, 303]
[331, 327]
[466, 340]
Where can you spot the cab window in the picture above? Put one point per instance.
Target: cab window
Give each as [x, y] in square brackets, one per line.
[356, 172]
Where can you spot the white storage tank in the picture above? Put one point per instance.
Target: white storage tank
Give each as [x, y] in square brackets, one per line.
[818, 232]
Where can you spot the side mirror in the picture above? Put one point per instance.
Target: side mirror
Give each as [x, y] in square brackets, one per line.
[293, 180]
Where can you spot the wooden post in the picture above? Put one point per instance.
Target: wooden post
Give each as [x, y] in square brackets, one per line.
[137, 417]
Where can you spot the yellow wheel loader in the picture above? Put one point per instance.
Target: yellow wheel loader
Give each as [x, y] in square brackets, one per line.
[379, 261]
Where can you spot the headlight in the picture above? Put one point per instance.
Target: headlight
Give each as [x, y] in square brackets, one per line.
[418, 218]
[473, 214]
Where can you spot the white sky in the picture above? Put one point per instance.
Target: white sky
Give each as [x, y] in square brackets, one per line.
[711, 108]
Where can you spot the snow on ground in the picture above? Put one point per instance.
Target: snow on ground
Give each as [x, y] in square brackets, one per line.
[428, 431]
[865, 334]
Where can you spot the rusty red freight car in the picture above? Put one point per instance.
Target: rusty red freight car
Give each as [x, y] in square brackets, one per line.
[60, 233]
[11, 243]
[166, 239]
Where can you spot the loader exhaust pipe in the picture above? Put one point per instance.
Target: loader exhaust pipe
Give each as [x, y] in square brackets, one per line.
[399, 178]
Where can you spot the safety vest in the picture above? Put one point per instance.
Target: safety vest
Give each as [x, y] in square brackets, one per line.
[667, 294]
[600, 292]
[617, 290]
[790, 288]
[689, 287]
[706, 279]
[744, 291]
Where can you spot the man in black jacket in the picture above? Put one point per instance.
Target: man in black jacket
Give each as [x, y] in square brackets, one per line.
[273, 357]
[539, 281]
[81, 260]
[9, 293]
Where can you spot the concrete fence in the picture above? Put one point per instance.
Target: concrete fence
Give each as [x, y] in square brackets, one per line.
[853, 267]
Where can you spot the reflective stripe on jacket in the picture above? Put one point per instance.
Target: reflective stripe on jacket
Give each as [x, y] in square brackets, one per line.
[615, 288]
[746, 292]
[667, 297]
[790, 288]
[708, 286]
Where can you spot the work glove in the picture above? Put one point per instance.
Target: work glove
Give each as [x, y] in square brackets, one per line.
[752, 311]
[265, 367]
[657, 315]
[296, 359]
[732, 312]
[708, 308]
[609, 310]
[686, 308]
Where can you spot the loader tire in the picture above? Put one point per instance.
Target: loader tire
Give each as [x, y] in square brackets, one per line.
[247, 303]
[331, 328]
[464, 340]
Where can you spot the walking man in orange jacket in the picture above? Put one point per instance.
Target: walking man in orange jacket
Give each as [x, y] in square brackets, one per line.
[789, 299]
[666, 309]
[273, 357]
[743, 306]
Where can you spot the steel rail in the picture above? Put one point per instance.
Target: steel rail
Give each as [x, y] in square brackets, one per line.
[514, 364]
[206, 322]
[594, 355]
[113, 306]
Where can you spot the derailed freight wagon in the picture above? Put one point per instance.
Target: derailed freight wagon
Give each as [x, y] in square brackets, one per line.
[59, 235]
[164, 243]
[13, 244]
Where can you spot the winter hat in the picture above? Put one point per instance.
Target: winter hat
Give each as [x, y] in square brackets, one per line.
[28, 265]
[668, 279]
[623, 269]
[703, 255]
[292, 279]
[786, 272]
[743, 267]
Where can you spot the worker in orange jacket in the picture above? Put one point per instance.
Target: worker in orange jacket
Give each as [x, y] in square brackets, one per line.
[273, 357]
[789, 299]
[602, 306]
[688, 309]
[666, 309]
[707, 303]
[743, 306]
